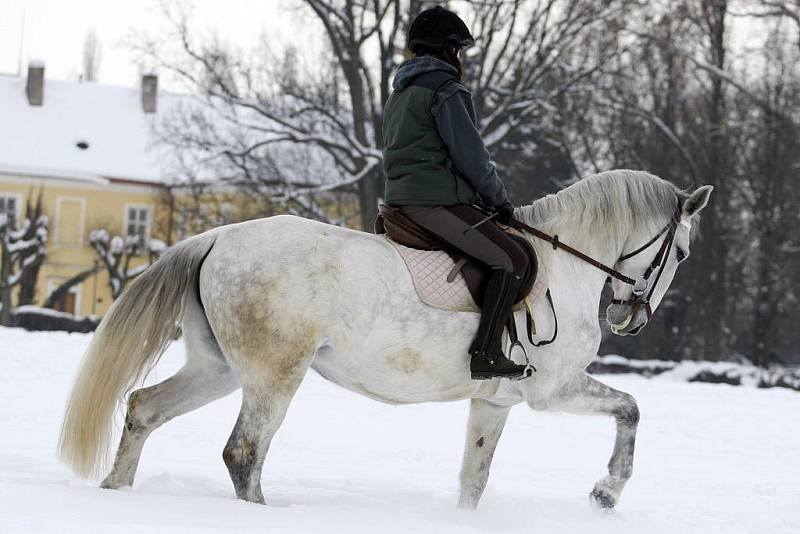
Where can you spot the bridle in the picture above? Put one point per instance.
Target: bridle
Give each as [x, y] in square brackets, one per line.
[642, 289]
[641, 285]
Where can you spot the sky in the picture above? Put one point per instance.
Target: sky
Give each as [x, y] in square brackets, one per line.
[54, 31]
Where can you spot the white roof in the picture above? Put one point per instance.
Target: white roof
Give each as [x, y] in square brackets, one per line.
[42, 140]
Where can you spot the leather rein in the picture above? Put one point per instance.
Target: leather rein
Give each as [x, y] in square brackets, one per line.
[640, 285]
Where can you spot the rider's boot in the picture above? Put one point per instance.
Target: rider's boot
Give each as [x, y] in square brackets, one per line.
[488, 360]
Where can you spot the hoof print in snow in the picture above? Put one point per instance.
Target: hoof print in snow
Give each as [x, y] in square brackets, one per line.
[602, 500]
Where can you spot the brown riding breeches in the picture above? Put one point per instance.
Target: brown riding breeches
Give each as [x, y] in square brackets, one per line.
[487, 243]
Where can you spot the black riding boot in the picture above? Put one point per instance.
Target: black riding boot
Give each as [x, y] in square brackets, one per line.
[488, 360]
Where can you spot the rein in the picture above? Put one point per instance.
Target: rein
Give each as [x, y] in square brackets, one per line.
[553, 240]
[658, 261]
[639, 286]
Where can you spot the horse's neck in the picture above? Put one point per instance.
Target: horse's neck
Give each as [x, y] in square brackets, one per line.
[565, 272]
[596, 242]
[579, 283]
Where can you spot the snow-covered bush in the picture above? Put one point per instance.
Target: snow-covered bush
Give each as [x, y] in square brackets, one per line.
[735, 374]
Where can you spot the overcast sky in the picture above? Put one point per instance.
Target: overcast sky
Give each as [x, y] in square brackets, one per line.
[54, 30]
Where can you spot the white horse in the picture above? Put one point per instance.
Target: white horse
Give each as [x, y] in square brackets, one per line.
[262, 301]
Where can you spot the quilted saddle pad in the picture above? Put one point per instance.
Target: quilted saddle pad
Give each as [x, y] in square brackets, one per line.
[429, 270]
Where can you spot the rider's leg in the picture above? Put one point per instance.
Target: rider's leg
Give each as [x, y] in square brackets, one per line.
[491, 246]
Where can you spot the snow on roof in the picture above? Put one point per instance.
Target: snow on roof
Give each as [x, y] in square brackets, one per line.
[83, 130]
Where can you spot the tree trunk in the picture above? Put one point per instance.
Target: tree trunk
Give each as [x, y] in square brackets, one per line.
[5, 292]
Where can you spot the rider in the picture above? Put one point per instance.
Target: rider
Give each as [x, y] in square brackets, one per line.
[437, 167]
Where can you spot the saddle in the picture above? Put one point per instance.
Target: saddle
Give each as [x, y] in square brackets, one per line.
[443, 277]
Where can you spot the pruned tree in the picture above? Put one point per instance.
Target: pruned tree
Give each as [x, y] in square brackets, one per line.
[34, 210]
[19, 255]
[116, 253]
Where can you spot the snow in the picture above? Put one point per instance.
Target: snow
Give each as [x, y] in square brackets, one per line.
[38, 310]
[110, 119]
[710, 459]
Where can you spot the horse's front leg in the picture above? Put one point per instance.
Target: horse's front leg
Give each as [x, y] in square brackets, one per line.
[586, 395]
[485, 425]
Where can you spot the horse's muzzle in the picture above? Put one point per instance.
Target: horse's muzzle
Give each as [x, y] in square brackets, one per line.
[626, 320]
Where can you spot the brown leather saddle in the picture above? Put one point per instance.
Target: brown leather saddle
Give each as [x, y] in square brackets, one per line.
[403, 230]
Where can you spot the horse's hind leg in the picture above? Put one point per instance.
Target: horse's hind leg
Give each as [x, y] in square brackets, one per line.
[266, 395]
[485, 425]
[586, 395]
[205, 377]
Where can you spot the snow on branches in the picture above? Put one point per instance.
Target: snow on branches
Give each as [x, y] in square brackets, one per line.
[116, 253]
[21, 251]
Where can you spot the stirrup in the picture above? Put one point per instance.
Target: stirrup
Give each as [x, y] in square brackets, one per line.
[483, 367]
[529, 368]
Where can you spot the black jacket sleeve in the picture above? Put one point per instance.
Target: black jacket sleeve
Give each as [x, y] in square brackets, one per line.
[455, 120]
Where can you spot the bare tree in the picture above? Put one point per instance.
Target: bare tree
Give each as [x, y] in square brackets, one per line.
[92, 54]
[781, 9]
[259, 120]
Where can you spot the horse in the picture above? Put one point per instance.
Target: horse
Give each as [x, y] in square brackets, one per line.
[260, 302]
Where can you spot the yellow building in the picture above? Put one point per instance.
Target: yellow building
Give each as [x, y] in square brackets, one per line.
[87, 149]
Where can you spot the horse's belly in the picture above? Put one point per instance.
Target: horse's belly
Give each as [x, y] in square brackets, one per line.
[396, 379]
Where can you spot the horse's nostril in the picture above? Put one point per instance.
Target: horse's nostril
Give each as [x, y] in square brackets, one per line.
[618, 315]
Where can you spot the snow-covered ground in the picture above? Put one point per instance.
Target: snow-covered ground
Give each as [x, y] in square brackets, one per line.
[710, 458]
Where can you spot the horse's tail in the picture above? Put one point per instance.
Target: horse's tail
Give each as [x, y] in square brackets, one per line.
[132, 336]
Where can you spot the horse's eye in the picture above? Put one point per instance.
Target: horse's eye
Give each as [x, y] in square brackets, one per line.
[680, 254]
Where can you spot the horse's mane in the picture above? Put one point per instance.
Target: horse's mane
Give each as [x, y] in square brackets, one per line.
[608, 205]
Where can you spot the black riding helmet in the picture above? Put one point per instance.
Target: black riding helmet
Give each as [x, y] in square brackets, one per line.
[437, 27]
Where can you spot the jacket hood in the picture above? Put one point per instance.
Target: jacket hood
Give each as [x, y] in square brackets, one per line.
[412, 68]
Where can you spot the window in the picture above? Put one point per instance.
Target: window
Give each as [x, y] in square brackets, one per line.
[69, 221]
[137, 223]
[9, 205]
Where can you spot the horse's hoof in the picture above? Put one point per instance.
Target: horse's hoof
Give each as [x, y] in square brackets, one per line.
[602, 499]
[110, 483]
[255, 497]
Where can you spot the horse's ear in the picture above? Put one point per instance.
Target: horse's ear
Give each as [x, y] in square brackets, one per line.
[697, 200]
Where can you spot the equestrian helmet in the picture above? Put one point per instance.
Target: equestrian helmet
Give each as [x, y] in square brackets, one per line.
[437, 27]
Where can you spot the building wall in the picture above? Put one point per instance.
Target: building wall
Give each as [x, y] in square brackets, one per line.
[76, 207]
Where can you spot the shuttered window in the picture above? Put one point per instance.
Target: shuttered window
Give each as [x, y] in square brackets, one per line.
[138, 222]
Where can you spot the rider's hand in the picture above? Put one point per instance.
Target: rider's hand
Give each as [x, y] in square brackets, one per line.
[505, 213]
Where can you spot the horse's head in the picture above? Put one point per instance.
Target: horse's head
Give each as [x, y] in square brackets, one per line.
[653, 266]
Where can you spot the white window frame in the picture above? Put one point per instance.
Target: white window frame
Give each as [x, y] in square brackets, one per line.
[81, 223]
[18, 198]
[77, 290]
[149, 229]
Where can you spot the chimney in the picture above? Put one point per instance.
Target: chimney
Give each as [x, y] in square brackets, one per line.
[35, 86]
[149, 92]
